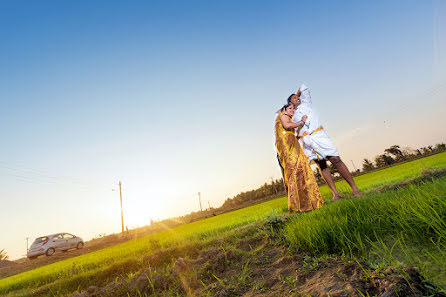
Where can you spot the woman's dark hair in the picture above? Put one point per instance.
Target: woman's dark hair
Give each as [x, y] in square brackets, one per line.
[285, 107]
[289, 98]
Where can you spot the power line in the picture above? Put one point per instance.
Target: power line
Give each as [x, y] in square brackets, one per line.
[36, 176]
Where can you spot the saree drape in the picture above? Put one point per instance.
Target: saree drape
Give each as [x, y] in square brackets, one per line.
[303, 191]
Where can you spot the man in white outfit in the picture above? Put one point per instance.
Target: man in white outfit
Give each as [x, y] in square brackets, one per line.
[317, 144]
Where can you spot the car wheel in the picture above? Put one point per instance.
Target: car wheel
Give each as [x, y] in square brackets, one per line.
[80, 245]
[32, 257]
[50, 251]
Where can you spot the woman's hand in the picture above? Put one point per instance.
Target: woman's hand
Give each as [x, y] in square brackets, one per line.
[304, 118]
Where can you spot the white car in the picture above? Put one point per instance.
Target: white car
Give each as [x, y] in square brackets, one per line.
[48, 245]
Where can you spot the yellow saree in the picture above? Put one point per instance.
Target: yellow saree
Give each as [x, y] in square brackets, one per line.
[303, 191]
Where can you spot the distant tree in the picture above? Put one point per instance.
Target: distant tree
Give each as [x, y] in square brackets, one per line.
[277, 186]
[333, 169]
[318, 176]
[387, 159]
[3, 255]
[383, 160]
[379, 161]
[367, 165]
[408, 152]
[439, 147]
[395, 150]
[426, 150]
[282, 184]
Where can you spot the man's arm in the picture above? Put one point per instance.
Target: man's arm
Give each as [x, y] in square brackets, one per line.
[305, 97]
[302, 122]
[300, 116]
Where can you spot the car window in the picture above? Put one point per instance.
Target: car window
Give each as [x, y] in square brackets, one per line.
[68, 236]
[40, 239]
[58, 236]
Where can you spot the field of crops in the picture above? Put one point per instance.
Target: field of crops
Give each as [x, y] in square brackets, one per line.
[389, 176]
[366, 227]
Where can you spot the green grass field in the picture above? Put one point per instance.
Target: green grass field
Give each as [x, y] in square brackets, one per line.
[361, 227]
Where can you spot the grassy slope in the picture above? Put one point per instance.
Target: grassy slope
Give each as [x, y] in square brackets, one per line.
[128, 257]
[378, 178]
[371, 226]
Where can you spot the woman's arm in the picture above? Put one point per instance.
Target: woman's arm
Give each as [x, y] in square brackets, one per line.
[288, 124]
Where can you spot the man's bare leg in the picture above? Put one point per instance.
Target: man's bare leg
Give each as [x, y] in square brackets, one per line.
[326, 174]
[343, 171]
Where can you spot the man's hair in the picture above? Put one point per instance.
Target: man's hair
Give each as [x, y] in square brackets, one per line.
[289, 98]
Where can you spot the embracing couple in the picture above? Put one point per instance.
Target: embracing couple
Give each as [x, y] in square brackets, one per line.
[297, 120]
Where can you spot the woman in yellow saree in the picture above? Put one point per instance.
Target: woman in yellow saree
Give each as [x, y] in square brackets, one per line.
[300, 183]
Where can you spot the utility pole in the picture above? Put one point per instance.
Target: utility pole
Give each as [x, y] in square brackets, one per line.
[122, 214]
[199, 199]
[353, 165]
[209, 205]
[27, 245]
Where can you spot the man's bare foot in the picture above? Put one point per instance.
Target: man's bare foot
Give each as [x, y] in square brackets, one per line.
[336, 197]
[357, 194]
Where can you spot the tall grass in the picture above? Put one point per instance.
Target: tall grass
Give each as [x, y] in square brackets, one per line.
[413, 216]
[418, 212]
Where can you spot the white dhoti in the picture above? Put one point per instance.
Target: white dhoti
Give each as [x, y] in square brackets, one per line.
[318, 145]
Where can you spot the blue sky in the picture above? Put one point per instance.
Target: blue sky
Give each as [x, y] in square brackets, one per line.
[176, 97]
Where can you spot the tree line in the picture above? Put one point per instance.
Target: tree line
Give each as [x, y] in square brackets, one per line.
[396, 154]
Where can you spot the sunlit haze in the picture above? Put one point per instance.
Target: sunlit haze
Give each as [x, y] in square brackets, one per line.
[178, 97]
